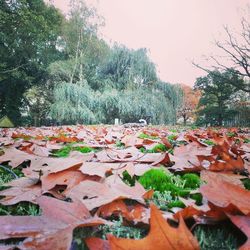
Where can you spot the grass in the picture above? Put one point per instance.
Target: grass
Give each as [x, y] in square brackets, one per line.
[22, 208]
[209, 142]
[160, 180]
[169, 187]
[246, 183]
[65, 151]
[119, 144]
[246, 140]
[156, 149]
[223, 236]
[146, 136]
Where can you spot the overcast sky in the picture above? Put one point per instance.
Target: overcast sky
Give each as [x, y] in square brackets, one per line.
[174, 31]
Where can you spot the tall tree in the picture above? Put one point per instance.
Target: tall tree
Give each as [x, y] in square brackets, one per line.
[29, 31]
[235, 55]
[190, 100]
[125, 66]
[216, 91]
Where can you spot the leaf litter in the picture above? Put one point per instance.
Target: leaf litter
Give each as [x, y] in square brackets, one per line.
[86, 187]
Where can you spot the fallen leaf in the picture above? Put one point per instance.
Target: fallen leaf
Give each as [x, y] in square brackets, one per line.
[161, 236]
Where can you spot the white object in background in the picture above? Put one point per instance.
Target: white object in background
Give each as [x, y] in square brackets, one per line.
[142, 121]
[116, 121]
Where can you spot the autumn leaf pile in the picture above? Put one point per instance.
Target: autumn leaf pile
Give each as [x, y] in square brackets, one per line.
[76, 176]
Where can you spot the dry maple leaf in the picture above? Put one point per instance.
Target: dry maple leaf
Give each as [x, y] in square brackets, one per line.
[17, 194]
[161, 236]
[223, 194]
[94, 243]
[52, 230]
[243, 223]
[94, 194]
[118, 207]
[70, 178]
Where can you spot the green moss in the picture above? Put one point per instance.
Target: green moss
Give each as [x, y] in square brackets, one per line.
[176, 203]
[197, 197]
[173, 130]
[156, 149]
[119, 144]
[231, 134]
[128, 179]
[146, 136]
[65, 151]
[191, 180]
[159, 180]
[83, 150]
[246, 140]
[154, 178]
[209, 142]
[171, 137]
[246, 183]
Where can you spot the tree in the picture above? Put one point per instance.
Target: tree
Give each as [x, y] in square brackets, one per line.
[29, 30]
[125, 66]
[235, 55]
[216, 90]
[190, 100]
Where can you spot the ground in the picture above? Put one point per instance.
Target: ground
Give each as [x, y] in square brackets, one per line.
[80, 184]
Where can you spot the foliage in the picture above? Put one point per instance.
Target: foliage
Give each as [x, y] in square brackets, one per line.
[189, 104]
[22, 208]
[29, 32]
[220, 237]
[235, 48]
[156, 149]
[73, 102]
[160, 180]
[146, 136]
[214, 105]
[64, 152]
[97, 178]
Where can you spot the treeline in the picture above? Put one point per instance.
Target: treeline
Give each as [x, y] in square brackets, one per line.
[56, 69]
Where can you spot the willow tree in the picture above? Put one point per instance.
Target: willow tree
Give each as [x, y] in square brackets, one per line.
[74, 103]
[125, 66]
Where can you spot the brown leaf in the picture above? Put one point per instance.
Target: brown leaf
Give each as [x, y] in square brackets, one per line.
[118, 207]
[52, 230]
[97, 244]
[67, 177]
[17, 194]
[161, 236]
[229, 177]
[94, 194]
[243, 223]
[223, 194]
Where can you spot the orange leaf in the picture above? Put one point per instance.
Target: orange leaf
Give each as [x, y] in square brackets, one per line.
[243, 223]
[97, 244]
[223, 194]
[161, 236]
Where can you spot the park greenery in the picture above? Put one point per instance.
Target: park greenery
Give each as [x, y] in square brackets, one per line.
[57, 69]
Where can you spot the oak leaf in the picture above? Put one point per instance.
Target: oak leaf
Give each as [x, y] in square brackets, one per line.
[161, 236]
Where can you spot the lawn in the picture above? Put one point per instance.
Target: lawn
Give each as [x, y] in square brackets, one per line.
[111, 187]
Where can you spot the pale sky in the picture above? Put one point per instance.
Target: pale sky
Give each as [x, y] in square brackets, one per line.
[174, 31]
